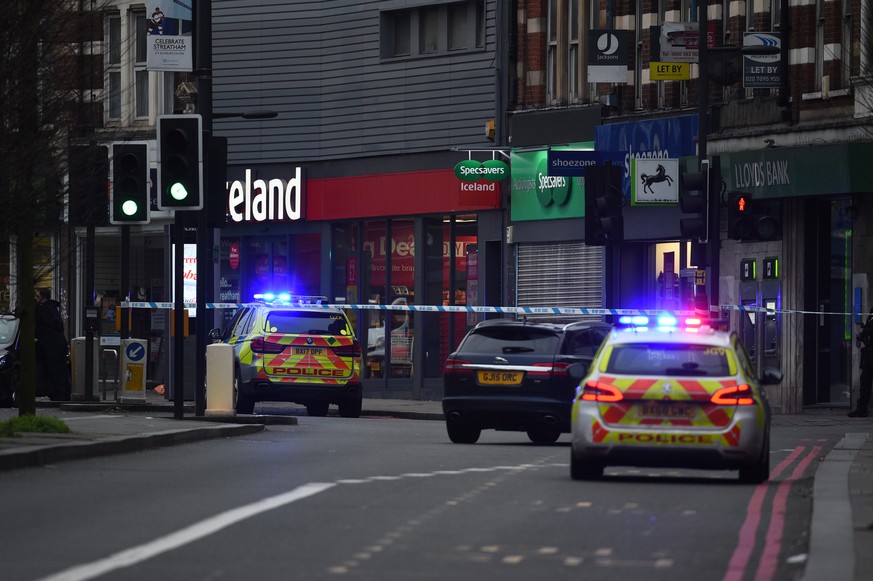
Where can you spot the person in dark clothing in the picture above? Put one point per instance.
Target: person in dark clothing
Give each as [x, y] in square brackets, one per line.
[51, 345]
[865, 338]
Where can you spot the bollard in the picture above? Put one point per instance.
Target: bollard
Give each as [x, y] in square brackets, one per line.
[132, 371]
[219, 380]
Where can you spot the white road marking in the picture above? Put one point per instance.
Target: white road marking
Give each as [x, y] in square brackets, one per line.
[211, 525]
[187, 535]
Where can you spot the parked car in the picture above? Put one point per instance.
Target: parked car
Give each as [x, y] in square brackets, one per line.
[291, 349]
[514, 375]
[672, 394]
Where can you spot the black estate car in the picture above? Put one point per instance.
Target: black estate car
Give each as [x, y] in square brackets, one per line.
[514, 374]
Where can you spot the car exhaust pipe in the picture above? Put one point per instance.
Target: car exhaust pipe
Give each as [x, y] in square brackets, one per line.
[454, 416]
[550, 420]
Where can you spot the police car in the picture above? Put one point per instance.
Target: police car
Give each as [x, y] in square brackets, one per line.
[290, 348]
[672, 393]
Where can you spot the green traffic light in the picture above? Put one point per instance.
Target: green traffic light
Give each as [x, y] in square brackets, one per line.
[178, 191]
[129, 207]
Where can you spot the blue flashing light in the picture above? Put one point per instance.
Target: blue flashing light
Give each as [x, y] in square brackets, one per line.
[667, 321]
[633, 320]
[285, 297]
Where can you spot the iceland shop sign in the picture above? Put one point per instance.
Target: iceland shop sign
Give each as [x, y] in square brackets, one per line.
[673, 137]
[274, 200]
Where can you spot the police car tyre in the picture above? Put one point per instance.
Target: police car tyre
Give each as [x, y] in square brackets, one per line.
[759, 471]
[350, 408]
[317, 409]
[242, 404]
[461, 434]
[544, 436]
[582, 470]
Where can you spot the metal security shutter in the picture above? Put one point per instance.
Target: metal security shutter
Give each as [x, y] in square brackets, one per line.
[563, 274]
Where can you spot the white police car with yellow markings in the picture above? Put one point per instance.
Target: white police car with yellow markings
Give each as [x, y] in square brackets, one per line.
[672, 393]
[289, 348]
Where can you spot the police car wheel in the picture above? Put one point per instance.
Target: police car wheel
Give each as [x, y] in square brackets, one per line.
[242, 404]
[317, 409]
[581, 470]
[350, 408]
[759, 471]
[462, 434]
[544, 436]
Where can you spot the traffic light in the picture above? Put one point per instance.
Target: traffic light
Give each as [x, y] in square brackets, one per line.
[694, 199]
[750, 219]
[180, 162]
[604, 223]
[88, 185]
[129, 195]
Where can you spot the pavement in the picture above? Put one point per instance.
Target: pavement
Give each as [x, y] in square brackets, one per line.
[841, 530]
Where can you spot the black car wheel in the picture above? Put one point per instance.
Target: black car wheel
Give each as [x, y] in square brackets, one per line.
[350, 407]
[463, 434]
[544, 436]
[242, 404]
[318, 409]
[581, 470]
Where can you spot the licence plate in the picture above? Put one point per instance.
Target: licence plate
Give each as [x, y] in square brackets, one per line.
[667, 410]
[500, 377]
[308, 351]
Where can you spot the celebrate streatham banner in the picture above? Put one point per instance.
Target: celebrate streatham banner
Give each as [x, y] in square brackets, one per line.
[170, 26]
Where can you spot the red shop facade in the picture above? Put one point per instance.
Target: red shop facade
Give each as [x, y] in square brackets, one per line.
[401, 237]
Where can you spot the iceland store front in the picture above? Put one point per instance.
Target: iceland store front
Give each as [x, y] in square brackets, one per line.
[403, 238]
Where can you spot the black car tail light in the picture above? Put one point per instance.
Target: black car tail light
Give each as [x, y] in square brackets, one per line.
[454, 365]
[560, 369]
[260, 345]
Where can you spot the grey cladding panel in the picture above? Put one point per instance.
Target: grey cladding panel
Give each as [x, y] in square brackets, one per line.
[318, 65]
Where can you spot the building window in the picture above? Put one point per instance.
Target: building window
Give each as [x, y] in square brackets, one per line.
[847, 44]
[553, 70]
[428, 32]
[573, 65]
[820, 17]
[433, 30]
[113, 67]
[140, 73]
[169, 93]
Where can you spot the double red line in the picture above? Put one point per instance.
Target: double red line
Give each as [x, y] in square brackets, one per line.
[773, 539]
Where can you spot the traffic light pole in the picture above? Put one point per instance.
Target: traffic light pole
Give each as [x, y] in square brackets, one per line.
[714, 237]
[205, 258]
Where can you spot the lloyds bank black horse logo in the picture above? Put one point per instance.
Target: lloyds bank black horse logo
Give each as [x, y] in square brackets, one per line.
[660, 176]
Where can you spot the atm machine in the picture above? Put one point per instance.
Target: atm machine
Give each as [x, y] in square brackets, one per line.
[748, 295]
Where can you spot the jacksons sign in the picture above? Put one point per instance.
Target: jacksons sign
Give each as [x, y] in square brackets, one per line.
[265, 200]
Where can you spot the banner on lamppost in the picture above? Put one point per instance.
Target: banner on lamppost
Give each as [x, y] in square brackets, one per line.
[170, 26]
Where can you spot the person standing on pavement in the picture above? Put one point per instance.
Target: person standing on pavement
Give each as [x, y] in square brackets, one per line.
[865, 338]
[51, 345]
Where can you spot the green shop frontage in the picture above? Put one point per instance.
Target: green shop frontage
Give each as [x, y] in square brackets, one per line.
[814, 274]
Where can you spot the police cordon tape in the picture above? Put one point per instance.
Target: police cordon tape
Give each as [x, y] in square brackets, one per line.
[494, 310]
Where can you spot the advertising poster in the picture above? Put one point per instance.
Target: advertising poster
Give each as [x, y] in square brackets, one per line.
[170, 35]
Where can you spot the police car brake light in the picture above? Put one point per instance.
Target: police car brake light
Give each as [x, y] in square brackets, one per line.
[733, 395]
[599, 391]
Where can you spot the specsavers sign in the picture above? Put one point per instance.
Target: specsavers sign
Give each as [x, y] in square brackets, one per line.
[536, 195]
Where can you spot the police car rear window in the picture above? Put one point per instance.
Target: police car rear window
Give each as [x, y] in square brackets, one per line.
[509, 340]
[306, 323]
[670, 359]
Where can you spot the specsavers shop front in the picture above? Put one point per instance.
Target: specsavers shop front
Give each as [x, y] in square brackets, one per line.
[402, 238]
